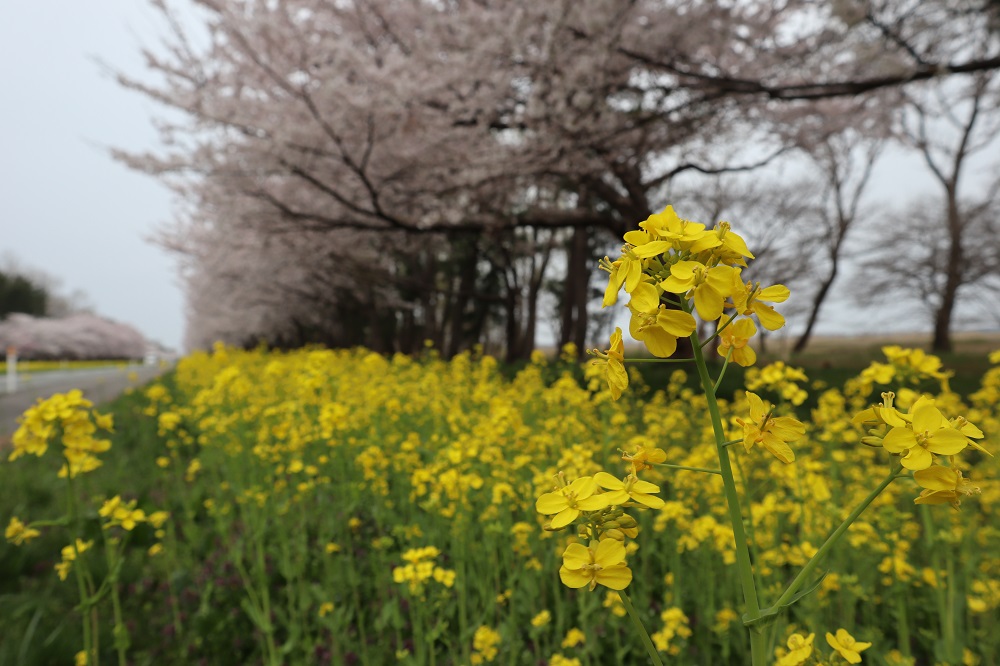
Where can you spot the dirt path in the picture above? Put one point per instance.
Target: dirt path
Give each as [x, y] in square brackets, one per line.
[98, 385]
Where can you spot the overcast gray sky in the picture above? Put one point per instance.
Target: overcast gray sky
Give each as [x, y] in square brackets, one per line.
[68, 209]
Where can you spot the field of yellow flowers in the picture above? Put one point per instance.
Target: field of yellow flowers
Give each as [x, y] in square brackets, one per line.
[341, 507]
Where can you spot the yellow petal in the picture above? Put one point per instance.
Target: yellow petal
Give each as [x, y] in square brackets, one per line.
[708, 302]
[936, 477]
[917, 458]
[768, 316]
[641, 486]
[947, 442]
[676, 285]
[636, 237]
[585, 486]
[609, 553]
[659, 343]
[615, 578]
[898, 440]
[605, 480]
[574, 577]
[551, 503]
[645, 297]
[633, 275]
[676, 323]
[757, 410]
[778, 448]
[651, 249]
[564, 518]
[652, 501]
[576, 556]
[775, 294]
[927, 417]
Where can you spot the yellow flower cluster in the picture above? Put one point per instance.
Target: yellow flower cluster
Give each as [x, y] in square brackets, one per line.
[672, 267]
[464, 453]
[484, 645]
[18, 533]
[605, 523]
[904, 367]
[121, 514]
[675, 625]
[71, 418]
[800, 649]
[770, 431]
[921, 437]
[420, 568]
[69, 555]
[779, 378]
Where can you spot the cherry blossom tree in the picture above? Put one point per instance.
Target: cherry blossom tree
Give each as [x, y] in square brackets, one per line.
[78, 336]
[412, 141]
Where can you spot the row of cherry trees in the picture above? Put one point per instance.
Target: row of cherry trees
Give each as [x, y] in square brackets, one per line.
[383, 172]
[78, 336]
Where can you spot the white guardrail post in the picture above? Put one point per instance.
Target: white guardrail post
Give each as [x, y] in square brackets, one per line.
[11, 369]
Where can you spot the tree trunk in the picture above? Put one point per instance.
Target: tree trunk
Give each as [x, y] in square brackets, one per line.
[953, 278]
[513, 327]
[457, 330]
[817, 303]
[574, 303]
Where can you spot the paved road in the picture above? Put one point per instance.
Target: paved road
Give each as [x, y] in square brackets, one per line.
[98, 385]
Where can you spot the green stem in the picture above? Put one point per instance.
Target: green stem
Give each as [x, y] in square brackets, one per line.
[954, 648]
[902, 626]
[85, 598]
[760, 646]
[722, 372]
[657, 360]
[689, 469]
[744, 567]
[637, 621]
[832, 540]
[113, 554]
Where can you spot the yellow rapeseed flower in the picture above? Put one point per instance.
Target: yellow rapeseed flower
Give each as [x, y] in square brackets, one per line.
[485, 642]
[846, 646]
[659, 330]
[942, 485]
[573, 638]
[748, 299]
[560, 660]
[18, 533]
[122, 514]
[927, 432]
[736, 336]
[602, 564]
[799, 649]
[707, 287]
[567, 502]
[771, 432]
[631, 487]
[614, 364]
[541, 619]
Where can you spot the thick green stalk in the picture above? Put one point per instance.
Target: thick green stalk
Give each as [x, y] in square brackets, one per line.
[743, 564]
[637, 621]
